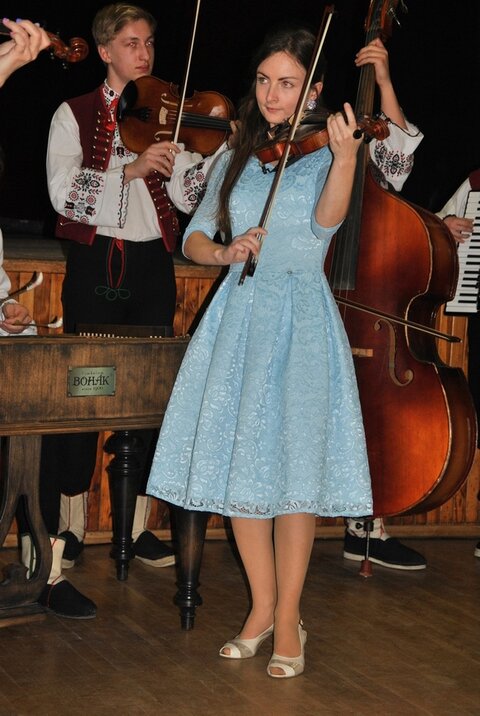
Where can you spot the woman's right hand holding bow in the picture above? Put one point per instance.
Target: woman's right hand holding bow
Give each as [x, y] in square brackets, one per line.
[202, 250]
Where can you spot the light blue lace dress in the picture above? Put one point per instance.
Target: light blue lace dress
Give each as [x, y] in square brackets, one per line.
[264, 418]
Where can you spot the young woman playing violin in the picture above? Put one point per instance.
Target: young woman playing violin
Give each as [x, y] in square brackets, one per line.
[264, 422]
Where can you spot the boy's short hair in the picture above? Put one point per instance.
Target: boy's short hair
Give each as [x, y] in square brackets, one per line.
[112, 18]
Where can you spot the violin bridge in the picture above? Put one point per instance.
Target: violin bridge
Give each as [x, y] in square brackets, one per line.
[163, 115]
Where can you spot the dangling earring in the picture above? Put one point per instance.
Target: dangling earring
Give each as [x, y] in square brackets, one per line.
[311, 104]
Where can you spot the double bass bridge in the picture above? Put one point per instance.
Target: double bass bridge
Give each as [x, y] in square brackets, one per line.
[362, 352]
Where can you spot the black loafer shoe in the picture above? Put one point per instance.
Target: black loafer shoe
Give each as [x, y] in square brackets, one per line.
[150, 550]
[389, 552]
[65, 601]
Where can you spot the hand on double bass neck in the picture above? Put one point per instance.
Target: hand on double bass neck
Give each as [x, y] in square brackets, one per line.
[375, 55]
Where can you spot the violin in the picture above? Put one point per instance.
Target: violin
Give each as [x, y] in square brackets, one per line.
[76, 51]
[312, 134]
[147, 112]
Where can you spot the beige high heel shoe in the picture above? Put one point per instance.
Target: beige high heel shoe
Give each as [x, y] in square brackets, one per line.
[290, 666]
[245, 648]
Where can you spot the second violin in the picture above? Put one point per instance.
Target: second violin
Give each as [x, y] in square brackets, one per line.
[148, 113]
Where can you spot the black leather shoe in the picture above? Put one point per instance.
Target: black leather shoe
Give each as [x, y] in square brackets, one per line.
[65, 601]
[389, 552]
[72, 551]
[149, 549]
[477, 550]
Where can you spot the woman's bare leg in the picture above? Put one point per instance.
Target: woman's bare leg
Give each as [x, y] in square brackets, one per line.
[254, 540]
[293, 541]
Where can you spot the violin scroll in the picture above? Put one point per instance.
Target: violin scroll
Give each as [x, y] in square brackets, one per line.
[76, 51]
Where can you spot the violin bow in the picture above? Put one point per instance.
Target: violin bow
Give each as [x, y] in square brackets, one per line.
[187, 72]
[251, 262]
[35, 281]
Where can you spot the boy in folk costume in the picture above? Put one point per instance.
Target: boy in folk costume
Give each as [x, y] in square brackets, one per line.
[116, 208]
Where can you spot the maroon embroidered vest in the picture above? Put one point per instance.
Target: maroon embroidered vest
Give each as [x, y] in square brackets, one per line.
[96, 129]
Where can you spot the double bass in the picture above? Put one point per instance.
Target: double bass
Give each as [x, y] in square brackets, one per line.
[397, 259]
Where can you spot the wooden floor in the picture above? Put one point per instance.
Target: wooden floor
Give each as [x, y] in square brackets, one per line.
[397, 643]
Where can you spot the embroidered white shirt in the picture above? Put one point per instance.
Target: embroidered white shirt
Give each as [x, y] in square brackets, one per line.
[100, 198]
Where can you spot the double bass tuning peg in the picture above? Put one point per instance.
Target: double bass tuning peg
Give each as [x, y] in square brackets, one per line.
[361, 132]
[371, 128]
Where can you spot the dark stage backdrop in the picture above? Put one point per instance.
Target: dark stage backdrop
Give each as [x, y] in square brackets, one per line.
[434, 57]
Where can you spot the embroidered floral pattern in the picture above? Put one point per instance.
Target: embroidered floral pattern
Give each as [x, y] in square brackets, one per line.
[87, 188]
[392, 163]
[195, 182]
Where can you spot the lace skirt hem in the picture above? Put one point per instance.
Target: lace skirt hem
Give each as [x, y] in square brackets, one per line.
[284, 507]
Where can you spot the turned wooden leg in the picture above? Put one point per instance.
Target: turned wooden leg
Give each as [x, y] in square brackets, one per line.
[190, 528]
[124, 473]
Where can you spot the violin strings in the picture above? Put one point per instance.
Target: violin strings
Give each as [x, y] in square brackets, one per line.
[204, 120]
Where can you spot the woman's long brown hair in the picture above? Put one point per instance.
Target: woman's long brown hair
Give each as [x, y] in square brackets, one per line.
[299, 43]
